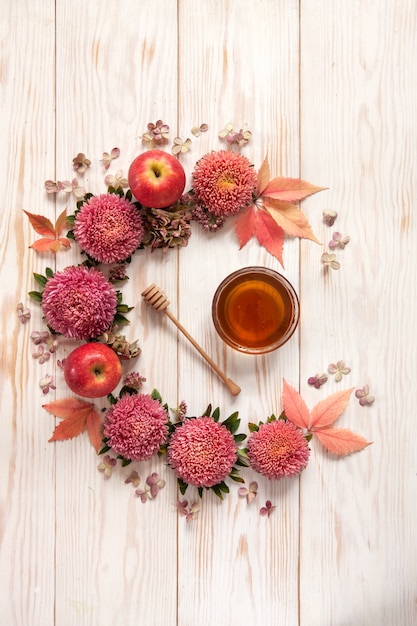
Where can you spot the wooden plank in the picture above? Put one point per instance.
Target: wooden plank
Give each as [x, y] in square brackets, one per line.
[27, 525]
[116, 71]
[358, 121]
[237, 65]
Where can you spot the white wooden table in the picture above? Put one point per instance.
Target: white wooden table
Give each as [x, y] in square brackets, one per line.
[328, 90]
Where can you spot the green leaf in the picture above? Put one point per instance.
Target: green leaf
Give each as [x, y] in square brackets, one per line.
[223, 487]
[216, 414]
[207, 412]
[240, 437]
[126, 462]
[155, 395]
[41, 280]
[216, 489]
[104, 449]
[200, 491]
[237, 478]
[111, 398]
[49, 272]
[123, 308]
[253, 428]
[182, 486]
[120, 320]
[35, 295]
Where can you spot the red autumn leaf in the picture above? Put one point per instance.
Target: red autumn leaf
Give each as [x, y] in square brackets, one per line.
[246, 225]
[289, 189]
[295, 409]
[269, 234]
[258, 222]
[341, 441]
[77, 416]
[326, 412]
[51, 242]
[290, 219]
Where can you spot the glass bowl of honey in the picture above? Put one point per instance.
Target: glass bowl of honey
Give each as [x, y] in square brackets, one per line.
[255, 310]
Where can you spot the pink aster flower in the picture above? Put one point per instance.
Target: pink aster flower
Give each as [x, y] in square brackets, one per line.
[278, 449]
[202, 452]
[224, 182]
[109, 228]
[79, 302]
[136, 426]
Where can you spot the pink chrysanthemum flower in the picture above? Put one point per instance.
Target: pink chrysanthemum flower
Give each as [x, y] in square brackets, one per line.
[202, 452]
[79, 302]
[136, 426]
[224, 182]
[278, 449]
[109, 228]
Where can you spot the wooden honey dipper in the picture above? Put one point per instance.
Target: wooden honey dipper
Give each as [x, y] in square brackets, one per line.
[158, 300]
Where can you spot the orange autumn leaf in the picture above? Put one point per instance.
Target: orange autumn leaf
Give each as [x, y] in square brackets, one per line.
[295, 409]
[327, 411]
[246, 225]
[289, 189]
[341, 441]
[290, 218]
[263, 178]
[51, 240]
[77, 416]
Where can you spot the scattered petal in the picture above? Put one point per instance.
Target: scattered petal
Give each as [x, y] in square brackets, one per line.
[250, 494]
[23, 313]
[108, 158]
[157, 135]
[267, 509]
[52, 186]
[181, 506]
[106, 466]
[41, 354]
[329, 260]
[197, 130]
[46, 383]
[153, 484]
[117, 180]
[338, 241]
[318, 380]
[179, 146]
[329, 217]
[339, 369]
[133, 478]
[39, 336]
[365, 399]
[192, 511]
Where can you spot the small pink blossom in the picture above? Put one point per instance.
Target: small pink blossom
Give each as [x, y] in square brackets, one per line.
[197, 130]
[189, 512]
[109, 157]
[39, 337]
[41, 354]
[107, 465]
[152, 486]
[180, 411]
[73, 187]
[339, 369]
[53, 186]
[81, 163]
[365, 399]
[117, 180]
[240, 138]
[157, 135]
[46, 383]
[250, 494]
[23, 313]
[330, 260]
[318, 380]
[338, 241]
[329, 217]
[133, 478]
[267, 509]
[179, 146]
[134, 380]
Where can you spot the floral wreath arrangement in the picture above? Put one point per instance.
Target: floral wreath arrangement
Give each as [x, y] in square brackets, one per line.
[151, 209]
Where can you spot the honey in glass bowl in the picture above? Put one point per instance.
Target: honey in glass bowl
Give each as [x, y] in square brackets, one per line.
[255, 310]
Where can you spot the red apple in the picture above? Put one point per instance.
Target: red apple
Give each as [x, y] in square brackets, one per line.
[92, 370]
[156, 179]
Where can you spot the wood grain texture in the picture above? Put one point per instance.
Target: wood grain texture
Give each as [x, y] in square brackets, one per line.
[328, 91]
